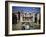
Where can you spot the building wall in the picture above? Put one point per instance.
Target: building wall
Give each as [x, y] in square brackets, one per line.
[33, 17]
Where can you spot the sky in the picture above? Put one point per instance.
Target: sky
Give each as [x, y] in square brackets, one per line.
[26, 9]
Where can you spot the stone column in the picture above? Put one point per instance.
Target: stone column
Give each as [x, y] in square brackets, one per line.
[37, 18]
[21, 17]
[33, 17]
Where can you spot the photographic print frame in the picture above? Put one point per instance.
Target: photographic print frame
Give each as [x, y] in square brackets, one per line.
[8, 31]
